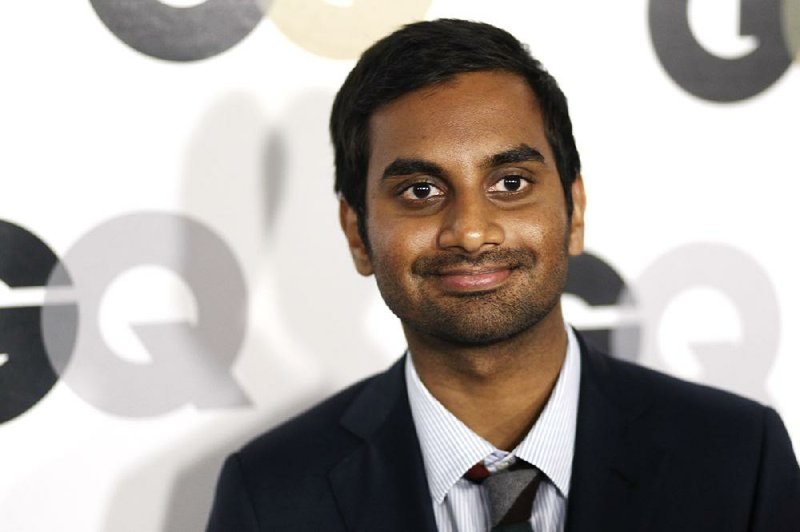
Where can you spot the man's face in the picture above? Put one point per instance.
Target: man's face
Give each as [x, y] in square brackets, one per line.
[466, 214]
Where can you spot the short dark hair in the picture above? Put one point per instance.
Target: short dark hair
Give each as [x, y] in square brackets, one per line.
[429, 53]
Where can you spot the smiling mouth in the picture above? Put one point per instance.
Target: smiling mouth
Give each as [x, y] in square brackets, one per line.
[469, 281]
[464, 275]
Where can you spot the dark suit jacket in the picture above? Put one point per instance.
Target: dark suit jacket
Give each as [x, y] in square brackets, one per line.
[652, 453]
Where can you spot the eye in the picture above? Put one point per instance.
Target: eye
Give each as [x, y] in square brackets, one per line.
[510, 183]
[421, 191]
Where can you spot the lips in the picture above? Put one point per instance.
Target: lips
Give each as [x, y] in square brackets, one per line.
[456, 273]
[473, 280]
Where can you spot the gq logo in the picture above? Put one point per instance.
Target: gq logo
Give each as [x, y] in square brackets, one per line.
[60, 335]
[772, 25]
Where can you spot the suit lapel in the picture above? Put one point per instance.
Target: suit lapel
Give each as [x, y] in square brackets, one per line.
[616, 470]
[381, 486]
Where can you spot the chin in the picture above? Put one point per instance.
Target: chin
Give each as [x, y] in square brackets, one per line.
[482, 329]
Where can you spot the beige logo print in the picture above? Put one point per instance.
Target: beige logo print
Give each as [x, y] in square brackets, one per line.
[791, 27]
[342, 30]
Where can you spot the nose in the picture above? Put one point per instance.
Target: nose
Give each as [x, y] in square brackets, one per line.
[470, 225]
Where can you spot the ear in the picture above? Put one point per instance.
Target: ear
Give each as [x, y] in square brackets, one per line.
[358, 250]
[575, 245]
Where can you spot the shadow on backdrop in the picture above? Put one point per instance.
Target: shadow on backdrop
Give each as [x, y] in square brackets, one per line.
[237, 180]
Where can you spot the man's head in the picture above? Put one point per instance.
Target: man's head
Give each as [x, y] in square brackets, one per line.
[425, 54]
[459, 194]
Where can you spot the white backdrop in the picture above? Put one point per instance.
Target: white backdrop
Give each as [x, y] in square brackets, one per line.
[189, 200]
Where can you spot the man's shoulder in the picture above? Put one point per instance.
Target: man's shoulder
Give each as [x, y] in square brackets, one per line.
[675, 410]
[674, 392]
[310, 431]
[723, 459]
[270, 479]
[323, 434]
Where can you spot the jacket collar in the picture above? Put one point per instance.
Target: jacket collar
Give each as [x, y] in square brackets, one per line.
[616, 469]
[381, 485]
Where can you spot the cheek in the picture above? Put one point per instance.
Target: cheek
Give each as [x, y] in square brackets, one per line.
[543, 232]
[527, 229]
[399, 237]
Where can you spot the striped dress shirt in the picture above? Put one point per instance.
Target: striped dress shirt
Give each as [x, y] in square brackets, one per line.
[450, 448]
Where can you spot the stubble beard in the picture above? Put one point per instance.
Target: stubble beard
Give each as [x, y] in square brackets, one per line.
[478, 319]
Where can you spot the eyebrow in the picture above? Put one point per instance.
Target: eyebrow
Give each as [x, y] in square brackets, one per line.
[401, 167]
[408, 166]
[518, 154]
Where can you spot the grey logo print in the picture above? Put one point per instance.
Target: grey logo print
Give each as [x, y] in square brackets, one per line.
[743, 365]
[180, 33]
[190, 362]
[718, 79]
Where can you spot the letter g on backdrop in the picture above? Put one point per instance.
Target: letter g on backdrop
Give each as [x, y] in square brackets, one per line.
[775, 24]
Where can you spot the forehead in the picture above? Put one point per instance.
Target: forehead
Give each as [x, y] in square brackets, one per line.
[471, 116]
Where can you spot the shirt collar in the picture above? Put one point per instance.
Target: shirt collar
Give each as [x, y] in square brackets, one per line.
[450, 448]
[550, 444]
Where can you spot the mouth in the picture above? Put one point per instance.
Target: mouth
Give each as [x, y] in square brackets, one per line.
[471, 280]
[461, 275]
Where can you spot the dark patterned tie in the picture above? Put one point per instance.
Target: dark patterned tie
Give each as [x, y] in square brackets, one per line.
[511, 492]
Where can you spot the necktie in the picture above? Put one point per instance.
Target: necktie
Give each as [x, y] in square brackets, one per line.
[510, 492]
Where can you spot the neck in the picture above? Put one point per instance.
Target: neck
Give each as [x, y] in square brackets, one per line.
[497, 390]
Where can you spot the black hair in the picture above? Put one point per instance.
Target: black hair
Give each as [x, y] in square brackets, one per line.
[427, 53]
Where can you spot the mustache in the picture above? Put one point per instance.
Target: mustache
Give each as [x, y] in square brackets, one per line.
[504, 258]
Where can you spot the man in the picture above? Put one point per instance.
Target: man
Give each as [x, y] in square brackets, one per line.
[460, 191]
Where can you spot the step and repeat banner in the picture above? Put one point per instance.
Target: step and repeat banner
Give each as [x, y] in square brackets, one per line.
[173, 280]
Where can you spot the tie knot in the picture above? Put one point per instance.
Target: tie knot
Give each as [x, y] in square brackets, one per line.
[481, 471]
[510, 491]
[477, 473]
